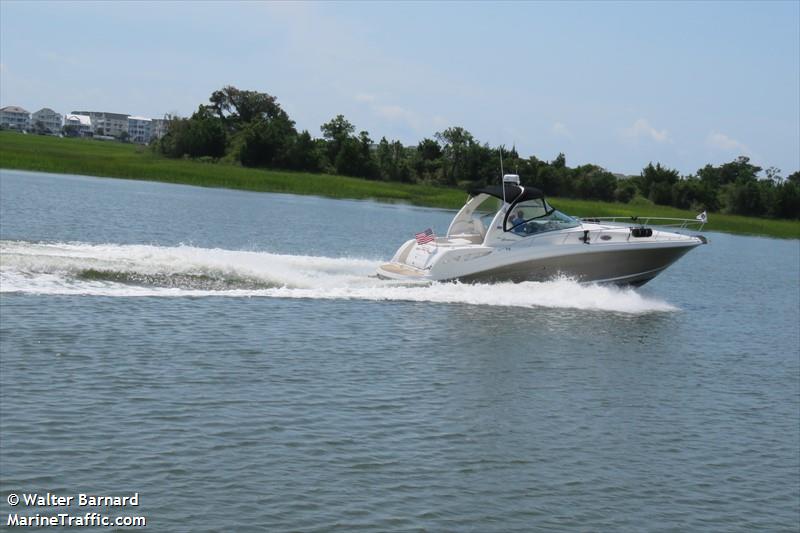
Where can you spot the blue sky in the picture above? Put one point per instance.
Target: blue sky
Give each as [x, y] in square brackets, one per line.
[616, 84]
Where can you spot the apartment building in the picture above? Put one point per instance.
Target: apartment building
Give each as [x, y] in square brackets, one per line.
[158, 128]
[139, 129]
[104, 123]
[47, 119]
[15, 118]
[78, 124]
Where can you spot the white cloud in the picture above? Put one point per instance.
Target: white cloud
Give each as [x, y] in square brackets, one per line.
[720, 141]
[365, 97]
[395, 113]
[643, 129]
[561, 130]
[440, 122]
[391, 112]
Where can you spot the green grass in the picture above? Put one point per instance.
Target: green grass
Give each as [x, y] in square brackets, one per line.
[118, 160]
[787, 229]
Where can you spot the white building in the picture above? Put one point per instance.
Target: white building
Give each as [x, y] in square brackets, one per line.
[139, 129]
[15, 118]
[158, 128]
[47, 119]
[78, 124]
[104, 123]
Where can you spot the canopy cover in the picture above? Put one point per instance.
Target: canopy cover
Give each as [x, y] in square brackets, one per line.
[512, 192]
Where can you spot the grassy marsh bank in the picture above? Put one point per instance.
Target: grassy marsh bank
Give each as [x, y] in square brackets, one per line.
[118, 160]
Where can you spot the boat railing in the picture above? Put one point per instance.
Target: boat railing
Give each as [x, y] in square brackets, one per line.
[690, 224]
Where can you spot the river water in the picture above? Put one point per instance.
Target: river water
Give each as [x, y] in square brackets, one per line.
[228, 356]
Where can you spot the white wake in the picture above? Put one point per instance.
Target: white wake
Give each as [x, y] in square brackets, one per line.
[140, 270]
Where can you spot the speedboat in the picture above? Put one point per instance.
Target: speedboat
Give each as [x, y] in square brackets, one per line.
[511, 233]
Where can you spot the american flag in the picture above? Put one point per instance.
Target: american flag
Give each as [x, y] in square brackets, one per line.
[425, 236]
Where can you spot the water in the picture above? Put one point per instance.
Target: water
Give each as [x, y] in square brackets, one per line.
[228, 356]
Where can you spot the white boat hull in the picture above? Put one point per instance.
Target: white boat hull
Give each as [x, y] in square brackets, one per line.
[619, 260]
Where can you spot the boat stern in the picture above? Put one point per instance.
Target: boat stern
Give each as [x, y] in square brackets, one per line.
[401, 272]
[410, 262]
[439, 260]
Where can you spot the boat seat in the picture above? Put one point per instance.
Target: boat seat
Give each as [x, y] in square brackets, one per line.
[464, 238]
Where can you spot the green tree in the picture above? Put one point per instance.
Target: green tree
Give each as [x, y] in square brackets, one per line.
[624, 191]
[336, 132]
[455, 142]
[429, 150]
[656, 182]
[391, 161]
[739, 169]
[483, 164]
[304, 154]
[594, 182]
[355, 157]
[733, 187]
[692, 193]
[742, 198]
[787, 198]
[386, 160]
[202, 135]
[426, 160]
[236, 107]
[268, 142]
[348, 160]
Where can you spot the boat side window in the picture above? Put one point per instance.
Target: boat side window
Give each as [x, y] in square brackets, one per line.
[486, 211]
[489, 206]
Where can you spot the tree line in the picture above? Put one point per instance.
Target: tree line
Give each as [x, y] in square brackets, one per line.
[250, 128]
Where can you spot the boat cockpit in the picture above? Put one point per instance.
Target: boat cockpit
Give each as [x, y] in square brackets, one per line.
[509, 210]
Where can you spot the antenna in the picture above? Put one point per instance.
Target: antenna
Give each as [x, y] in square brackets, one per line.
[516, 161]
[502, 175]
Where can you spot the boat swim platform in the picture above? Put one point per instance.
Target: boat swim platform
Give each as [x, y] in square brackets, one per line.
[402, 270]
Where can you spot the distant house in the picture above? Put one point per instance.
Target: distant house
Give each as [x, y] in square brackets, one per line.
[158, 128]
[47, 119]
[139, 129]
[103, 123]
[78, 125]
[15, 118]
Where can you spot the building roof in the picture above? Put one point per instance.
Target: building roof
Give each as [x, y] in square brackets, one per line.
[46, 110]
[13, 109]
[141, 118]
[117, 116]
[83, 119]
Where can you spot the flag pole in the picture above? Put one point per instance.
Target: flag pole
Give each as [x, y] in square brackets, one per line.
[502, 178]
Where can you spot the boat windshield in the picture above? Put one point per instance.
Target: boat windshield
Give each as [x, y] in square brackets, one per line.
[537, 216]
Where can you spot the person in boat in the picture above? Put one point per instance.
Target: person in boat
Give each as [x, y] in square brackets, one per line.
[518, 223]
